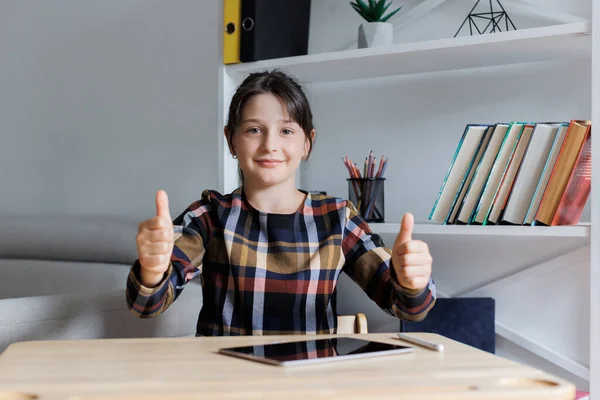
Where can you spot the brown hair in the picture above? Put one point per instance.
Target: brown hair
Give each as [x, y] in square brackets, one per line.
[278, 84]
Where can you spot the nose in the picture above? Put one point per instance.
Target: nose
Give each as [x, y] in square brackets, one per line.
[269, 142]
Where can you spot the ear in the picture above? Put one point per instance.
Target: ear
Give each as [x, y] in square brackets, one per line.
[229, 141]
[307, 143]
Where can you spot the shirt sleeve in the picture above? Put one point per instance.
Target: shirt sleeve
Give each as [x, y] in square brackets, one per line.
[192, 232]
[369, 264]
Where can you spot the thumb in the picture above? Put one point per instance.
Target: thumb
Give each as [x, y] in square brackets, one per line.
[406, 228]
[162, 205]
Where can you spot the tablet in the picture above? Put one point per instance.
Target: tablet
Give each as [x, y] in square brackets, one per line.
[314, 351]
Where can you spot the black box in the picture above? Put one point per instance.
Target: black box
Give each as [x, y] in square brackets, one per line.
[274, 29]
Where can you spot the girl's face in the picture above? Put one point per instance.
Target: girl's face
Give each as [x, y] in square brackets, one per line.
[269, 146]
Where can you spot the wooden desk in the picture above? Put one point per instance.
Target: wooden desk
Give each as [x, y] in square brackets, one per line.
[189, 368]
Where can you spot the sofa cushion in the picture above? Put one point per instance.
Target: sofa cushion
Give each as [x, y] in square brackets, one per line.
[24, 278]
[69, 238]
[93, 316]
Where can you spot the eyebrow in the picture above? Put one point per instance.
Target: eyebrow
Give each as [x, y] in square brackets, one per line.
[256, 120]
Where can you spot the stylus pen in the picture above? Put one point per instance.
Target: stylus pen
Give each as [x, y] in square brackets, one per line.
[421, 342]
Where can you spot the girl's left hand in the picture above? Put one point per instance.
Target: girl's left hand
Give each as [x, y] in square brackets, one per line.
[410, 258]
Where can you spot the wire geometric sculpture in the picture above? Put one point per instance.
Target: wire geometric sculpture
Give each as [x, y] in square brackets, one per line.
[493, 18]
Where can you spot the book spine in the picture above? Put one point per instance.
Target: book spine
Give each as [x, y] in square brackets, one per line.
[578, 188]
[510, 199]
[565, 163]
[508, 180]
[502, 173]
[475, 192]
[448, 172]
[480, 206]
[545, 175]
[248, 31]
[231, 31]
[478, 159]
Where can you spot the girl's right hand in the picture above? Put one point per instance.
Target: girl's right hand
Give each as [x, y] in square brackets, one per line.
[155, 243]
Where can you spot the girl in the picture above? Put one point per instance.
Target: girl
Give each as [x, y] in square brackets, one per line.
[269, 255]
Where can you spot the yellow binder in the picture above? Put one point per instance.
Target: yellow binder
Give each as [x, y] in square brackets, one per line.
[232, 19]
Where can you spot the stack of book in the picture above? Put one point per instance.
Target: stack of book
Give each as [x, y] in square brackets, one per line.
[517, 173]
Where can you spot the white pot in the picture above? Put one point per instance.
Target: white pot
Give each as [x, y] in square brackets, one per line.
[373, 34]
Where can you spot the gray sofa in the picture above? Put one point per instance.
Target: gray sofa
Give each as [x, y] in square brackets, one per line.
[63, 277]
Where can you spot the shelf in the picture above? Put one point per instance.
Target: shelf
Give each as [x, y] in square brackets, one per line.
[572, 231]
[466, 256]
[503, 48]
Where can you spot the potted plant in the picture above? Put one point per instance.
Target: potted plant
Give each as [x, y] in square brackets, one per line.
[376, 31]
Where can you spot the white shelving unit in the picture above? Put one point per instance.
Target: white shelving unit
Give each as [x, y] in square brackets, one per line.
[464, 246]
[577, 231]
[512, 47]
[595, 215]
[524, 46]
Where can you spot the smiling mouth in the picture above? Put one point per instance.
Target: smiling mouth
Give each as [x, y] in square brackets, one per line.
[269, 163]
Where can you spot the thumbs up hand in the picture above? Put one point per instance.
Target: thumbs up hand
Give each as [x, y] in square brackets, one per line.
[410, 258]
[155, 243]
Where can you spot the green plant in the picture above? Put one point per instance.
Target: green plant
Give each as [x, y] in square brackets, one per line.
[373, 12]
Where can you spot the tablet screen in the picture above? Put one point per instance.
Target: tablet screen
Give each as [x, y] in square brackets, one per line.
[315, 350]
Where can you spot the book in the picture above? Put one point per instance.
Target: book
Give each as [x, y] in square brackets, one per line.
[529, 173]
[463, 160]
[506, 184]
[232, 19]
[569, 183]
[274, 29]
[482, 173]
[481, 150]
[582, 395]
[545, 176]
[499, 166]
[578, 188]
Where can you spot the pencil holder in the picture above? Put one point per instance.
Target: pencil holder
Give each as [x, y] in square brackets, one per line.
[367, 195]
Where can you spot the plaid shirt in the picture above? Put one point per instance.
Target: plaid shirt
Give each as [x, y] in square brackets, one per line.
[273, 273]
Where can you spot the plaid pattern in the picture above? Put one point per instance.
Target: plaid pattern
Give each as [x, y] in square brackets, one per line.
[273, 273]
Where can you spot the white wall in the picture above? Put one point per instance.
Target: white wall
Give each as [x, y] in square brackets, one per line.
[334, 24]
[417, 121]
[104, 102]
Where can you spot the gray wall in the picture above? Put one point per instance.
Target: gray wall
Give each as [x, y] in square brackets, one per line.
[104, 102]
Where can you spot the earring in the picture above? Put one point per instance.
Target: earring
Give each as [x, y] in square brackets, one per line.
[234, 157]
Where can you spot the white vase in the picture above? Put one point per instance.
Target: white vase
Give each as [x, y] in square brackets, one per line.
[372, 34]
